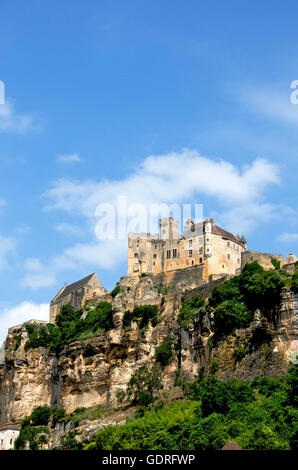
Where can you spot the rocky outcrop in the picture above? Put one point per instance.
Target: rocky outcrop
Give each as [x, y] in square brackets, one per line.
[90, 372]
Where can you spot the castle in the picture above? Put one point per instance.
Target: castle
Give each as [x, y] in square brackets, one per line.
[204, 244]
[207, 251]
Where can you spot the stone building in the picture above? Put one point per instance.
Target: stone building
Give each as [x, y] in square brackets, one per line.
[76, 294]
[264, 259]
[8, 434]
[217, 251]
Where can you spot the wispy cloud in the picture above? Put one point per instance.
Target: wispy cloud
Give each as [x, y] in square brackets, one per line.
[288, 237]
[7, 248]
[271, 103]
[169, 178]
[37, 275]
[69, 158]
[21, 313]
[238, 192]
[12, 121]
[69, 229]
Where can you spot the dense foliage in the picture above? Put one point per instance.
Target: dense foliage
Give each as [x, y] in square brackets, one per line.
[141, 314]
[70, 327]
[235, 301]
[190, 310]
[260, 415]
[142, 385]
[164, 353]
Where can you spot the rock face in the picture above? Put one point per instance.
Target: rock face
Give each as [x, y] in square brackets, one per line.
[90, 372]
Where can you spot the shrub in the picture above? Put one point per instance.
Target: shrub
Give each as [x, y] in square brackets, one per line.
[190, 310]
[214, 367]
[115, 291]
[142, 384]
[164, 353]
[70, 327]
[141, 314]
[40, 416]
[294, 283]
[275, 263]
[239, 353]
[230, 315]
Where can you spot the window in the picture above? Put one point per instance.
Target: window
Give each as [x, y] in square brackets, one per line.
[208, 250]
[207, 239]
[174, 253]
[190, 243]
[153, 263]
[238, 261]
[201, 260]
[201, 250]
[155, 247]
[228, 243]
[229, 257]
[251, 258]
[223, 266]
[10, 441]
[189, 252]
[154, 256]
[136, 255]
[168, 253]
[192, 261]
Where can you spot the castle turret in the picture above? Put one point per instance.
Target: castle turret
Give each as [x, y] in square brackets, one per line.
[169, 229]
[243, 241]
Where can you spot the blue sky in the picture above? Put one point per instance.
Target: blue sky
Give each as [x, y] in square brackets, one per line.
[173, 101]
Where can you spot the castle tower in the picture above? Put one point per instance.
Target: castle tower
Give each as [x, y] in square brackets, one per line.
[169, 229]
[208, 237]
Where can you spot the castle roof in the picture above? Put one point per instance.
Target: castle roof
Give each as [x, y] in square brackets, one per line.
[216, 230]
[72, 287]
[223, 233]
[9, 427]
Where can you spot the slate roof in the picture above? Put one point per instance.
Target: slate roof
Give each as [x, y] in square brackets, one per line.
[72, 287]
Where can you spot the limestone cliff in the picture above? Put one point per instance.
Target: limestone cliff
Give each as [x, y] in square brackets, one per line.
[88, 373]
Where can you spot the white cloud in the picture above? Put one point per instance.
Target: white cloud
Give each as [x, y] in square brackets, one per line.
[69, 229]
[272, 103]
[7, 247]
[169, 178]
[11, 121]
[106, 254]
[69, 158]
[288, 237]
[37, 275]
[21, 313]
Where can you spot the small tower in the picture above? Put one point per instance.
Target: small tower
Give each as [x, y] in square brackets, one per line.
[243, 242]
[169, 229]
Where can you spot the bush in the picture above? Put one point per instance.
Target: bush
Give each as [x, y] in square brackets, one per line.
[40, 416]
[230, 411]
[141, 314]
[190, 310]
[164, 353]
[294, 283]
[142, 385]
[70, 327]
[230, 315]
[116, 291]
[239, 353]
